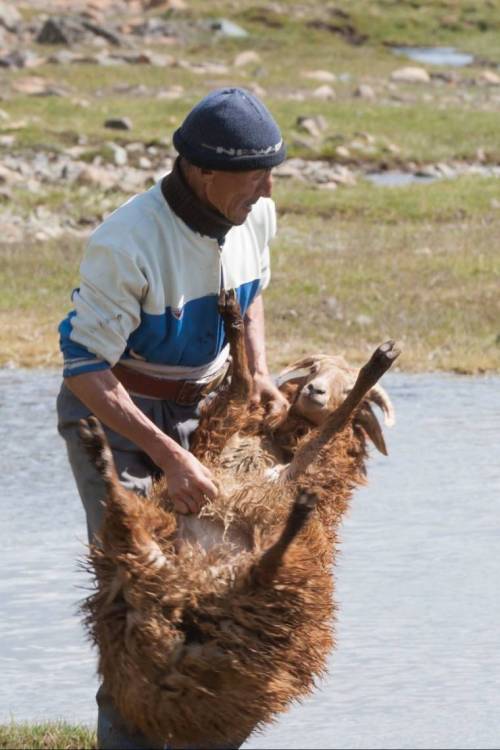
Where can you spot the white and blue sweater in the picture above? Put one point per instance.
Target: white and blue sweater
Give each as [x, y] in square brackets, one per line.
[149, 289]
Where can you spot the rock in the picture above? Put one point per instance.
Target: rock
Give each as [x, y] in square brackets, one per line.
[118, 123]
[257, 89]
[333, 308]
[364, 91]
[324, 76]
[174, 92]
[36, 86]
[120, 156]
[364, 320]
[21, 59]
[103, 32]
[146, 57]
[393, 148]
[489, 78]
[410, 75]
[314, 126]
[206, 68]
[343, 152]
[223, 27]
[290, 169]
[342, 176]
[248, 57]
[63, 30]
[7, 141]
[4, 115]
[63, 57]
[5, 195]
[9, 176]
[97, 176]
[10, 18]
[324, 93]
[166, 5]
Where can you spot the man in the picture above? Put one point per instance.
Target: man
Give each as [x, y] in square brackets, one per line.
[145, 343]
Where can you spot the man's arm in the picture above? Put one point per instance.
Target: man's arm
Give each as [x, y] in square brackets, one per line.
[264, 389]
[188, 480]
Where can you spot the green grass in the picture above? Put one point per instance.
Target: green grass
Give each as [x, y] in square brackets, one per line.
[46, 736]
[350, 268]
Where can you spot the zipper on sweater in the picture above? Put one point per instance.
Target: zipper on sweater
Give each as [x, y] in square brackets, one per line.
[220, 326]
[220, 248]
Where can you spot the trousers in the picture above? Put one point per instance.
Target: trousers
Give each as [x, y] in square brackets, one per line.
[136, 472]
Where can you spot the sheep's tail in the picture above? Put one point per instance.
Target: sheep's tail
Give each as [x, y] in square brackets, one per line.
[98, 450]
[380, 361]
[223, 416]
[265, 570]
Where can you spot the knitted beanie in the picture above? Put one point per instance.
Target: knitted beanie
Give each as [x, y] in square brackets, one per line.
[230, 129]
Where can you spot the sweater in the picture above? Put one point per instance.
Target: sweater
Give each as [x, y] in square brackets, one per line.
[150, 285]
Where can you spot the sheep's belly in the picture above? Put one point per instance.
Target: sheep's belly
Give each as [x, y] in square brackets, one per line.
[209, 533]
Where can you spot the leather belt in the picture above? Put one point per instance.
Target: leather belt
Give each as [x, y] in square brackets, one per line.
[183, 392]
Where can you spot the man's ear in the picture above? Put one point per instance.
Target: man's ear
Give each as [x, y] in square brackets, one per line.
[207, 175]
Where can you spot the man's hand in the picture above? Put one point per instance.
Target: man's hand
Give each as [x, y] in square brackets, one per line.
[190, 484]
[265, 392]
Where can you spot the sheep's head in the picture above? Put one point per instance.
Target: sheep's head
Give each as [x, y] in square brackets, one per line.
[317, 385]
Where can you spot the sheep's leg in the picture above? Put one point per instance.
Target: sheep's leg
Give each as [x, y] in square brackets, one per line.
[265, 570]
[377, 365]
[223, 416]
[241, 380]
[123, 529]
[99, 452]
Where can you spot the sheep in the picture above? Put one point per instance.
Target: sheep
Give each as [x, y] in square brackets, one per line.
[208, 626]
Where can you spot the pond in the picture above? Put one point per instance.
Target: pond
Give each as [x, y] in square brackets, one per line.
[397, 178]
[417, 663]
[435, 55]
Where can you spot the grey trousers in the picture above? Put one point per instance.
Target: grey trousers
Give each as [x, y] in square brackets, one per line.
[136, 472]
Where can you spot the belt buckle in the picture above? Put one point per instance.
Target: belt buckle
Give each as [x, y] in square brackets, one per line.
[189, 393]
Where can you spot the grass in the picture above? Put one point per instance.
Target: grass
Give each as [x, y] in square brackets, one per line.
[46, 736]
[417, 264]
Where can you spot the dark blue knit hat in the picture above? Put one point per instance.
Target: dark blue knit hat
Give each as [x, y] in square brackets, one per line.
[232, 130]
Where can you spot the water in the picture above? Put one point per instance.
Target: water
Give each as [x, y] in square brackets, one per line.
[397, 178]
[435, 55]
[418, 661]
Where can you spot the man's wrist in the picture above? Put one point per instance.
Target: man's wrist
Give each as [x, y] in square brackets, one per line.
[162, 449]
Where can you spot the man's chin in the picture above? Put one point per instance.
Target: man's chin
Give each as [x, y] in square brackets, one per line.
[241, 217]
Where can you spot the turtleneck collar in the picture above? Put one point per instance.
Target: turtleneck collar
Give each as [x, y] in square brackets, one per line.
[188, 207]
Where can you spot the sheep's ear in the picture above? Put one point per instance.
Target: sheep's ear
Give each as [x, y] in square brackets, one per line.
[366, 419]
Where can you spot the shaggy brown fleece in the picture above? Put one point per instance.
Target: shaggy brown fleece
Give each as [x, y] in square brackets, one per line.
[201, 643]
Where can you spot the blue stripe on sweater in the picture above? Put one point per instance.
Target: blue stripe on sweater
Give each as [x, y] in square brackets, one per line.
[191, 337]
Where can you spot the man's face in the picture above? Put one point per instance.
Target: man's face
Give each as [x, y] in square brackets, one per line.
[234, 193]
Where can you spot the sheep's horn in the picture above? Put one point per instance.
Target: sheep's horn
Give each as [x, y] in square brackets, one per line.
[294, 375]
[380, 397]
[369, 422]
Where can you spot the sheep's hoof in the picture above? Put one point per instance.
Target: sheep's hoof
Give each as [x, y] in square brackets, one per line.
[306, 501]
[96, 444]
[383, 357]
[229, 308]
